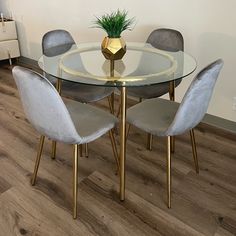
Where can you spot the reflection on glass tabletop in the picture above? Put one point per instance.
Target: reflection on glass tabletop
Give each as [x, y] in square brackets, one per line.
[141, 65]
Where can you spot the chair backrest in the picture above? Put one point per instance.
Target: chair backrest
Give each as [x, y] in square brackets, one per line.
[44, 107]
[196, 100]
[56, 42]
[166, 39]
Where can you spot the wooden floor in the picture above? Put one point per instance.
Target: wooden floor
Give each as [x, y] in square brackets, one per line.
[203, 204]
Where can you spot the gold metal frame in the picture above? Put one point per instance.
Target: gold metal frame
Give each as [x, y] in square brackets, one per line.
[172, 98]
[194, 149]
[70, 71]
[115, 152]
[112, 73]
[149, 141]
[75, 180]
[123, 142]
[54, 149]
[75, 166]
[168, 171]
[168, 166]
[121, 162]
[75, 172]
[39, 154]
[86, 150]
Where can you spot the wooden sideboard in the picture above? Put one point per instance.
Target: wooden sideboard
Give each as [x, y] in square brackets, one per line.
[9, 45]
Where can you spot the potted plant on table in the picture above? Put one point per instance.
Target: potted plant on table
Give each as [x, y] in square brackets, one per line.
[113, 45]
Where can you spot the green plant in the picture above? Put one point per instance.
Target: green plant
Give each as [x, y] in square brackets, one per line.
[114, 23]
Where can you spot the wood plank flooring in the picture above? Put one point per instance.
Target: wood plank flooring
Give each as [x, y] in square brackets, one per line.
[203, 204]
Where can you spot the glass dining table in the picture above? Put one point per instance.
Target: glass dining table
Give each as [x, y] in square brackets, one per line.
[142, 65]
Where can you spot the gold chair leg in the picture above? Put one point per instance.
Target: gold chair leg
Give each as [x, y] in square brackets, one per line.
[75, 180]
[54, 149]
[58, 86]
[168, 157]
[194, 150]
[172, 144]
[39, 154]
[86, 150]
[110, 105]
[122, 143]
[113, 102]
[118, 112]
[81, 150]
[172, 90]
[149, 141]
[127, 131]
[114, 149]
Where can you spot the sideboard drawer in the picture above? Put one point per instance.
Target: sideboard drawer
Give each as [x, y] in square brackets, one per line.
[7, 30]
[9, 49]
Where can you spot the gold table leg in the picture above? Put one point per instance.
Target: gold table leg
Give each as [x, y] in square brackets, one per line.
[112, 68]
[172, 98]
[122, 143]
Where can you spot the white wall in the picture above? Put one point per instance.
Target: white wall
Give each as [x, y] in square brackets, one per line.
[208, 27]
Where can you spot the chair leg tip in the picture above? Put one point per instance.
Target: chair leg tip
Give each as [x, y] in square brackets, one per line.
[75, 215]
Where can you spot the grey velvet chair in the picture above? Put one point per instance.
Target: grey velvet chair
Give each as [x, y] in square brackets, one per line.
[57, 42]
[70, 121]
[166, 118]
[168, 40]
[163, 39]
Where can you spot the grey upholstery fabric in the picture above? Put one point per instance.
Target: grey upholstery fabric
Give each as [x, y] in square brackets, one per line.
[166, 118]
[45, 109]
[164, 39]
[85, 93]
[57, 42]
[88, 119]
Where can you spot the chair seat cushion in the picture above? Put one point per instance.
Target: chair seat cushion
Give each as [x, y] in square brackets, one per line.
[151, 91]
[90, 122]
[85, 93]
[153, 115]
[81, 92]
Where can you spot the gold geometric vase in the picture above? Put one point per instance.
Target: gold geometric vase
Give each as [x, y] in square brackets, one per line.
[113, 48]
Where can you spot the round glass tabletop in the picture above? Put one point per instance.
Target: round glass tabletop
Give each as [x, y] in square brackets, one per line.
[141, 65]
